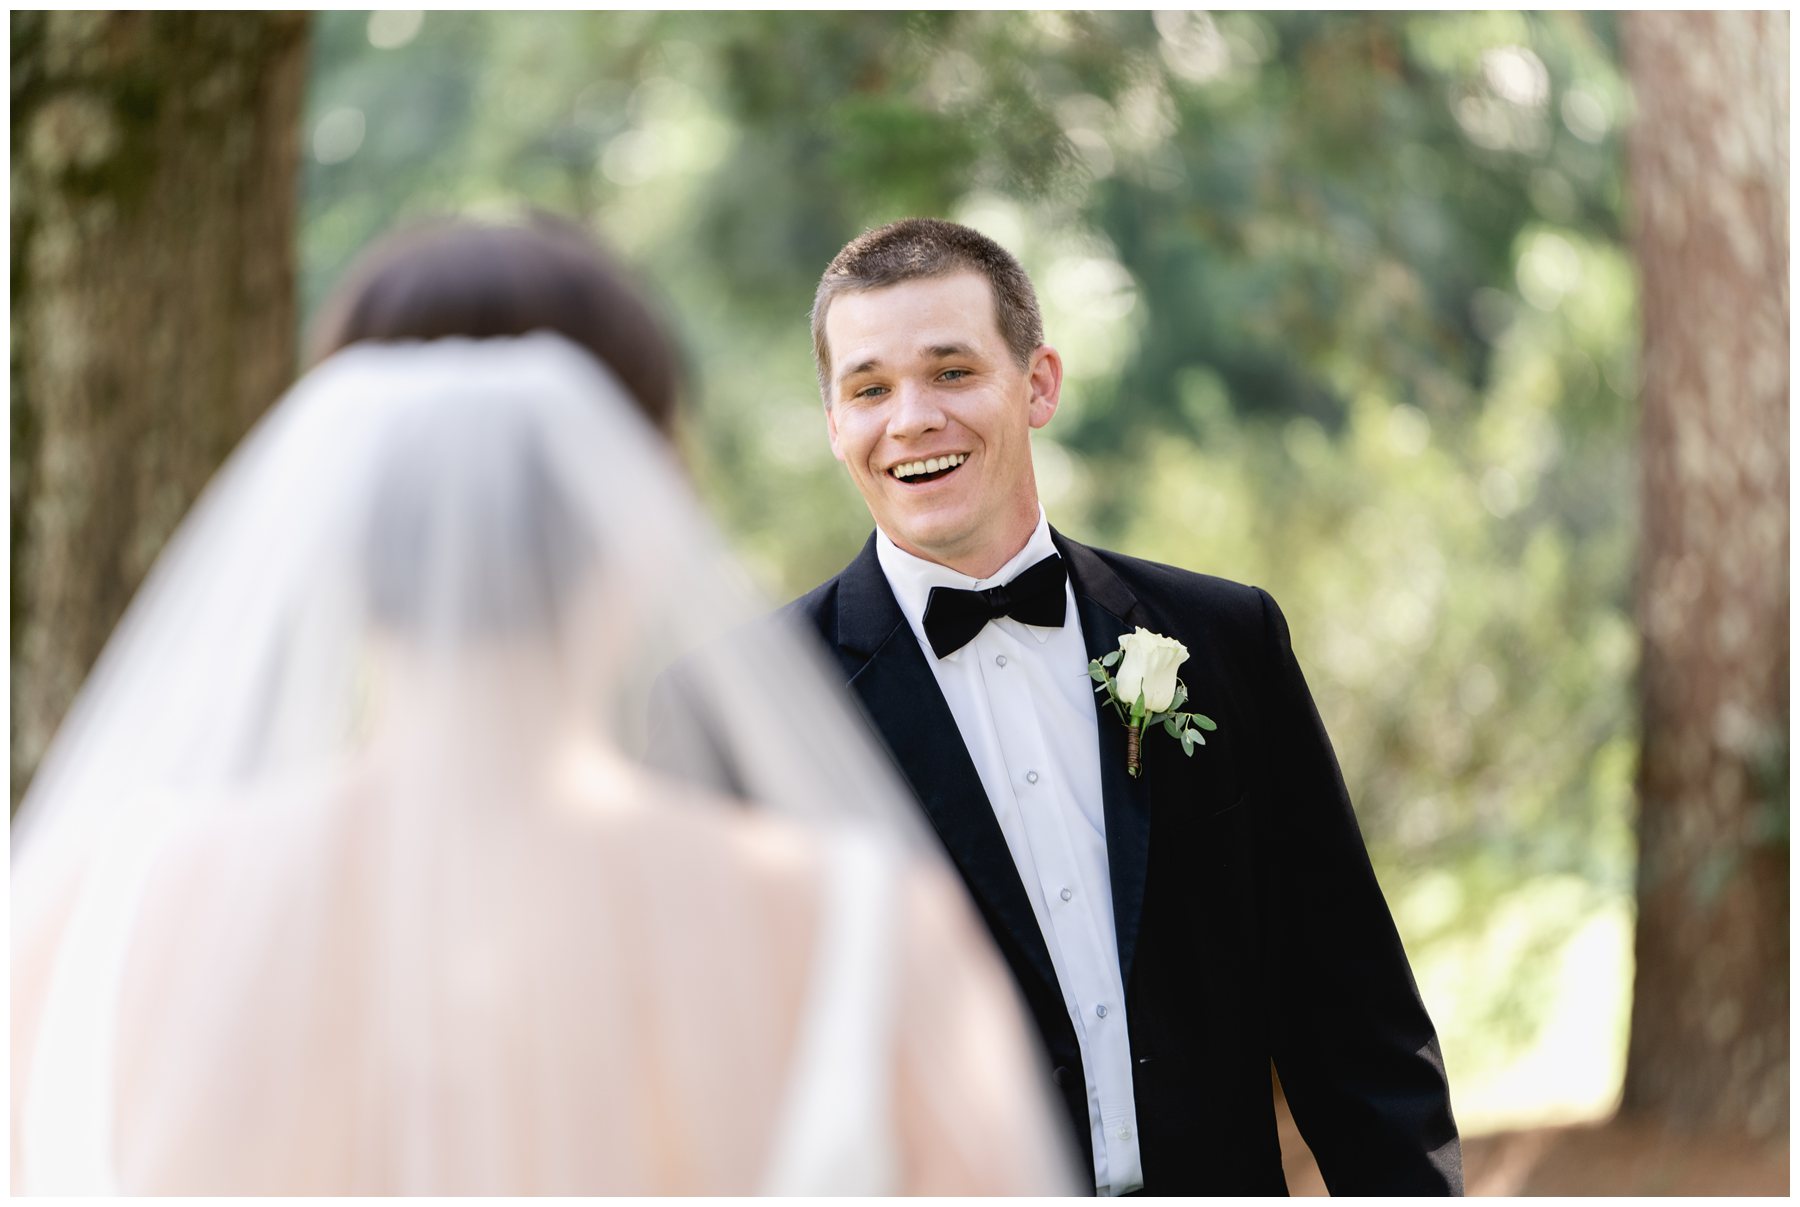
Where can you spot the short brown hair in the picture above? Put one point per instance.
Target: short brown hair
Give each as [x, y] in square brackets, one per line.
[481, 280]
[916, 248]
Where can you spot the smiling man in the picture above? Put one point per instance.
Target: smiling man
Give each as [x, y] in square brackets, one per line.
[1173, 932]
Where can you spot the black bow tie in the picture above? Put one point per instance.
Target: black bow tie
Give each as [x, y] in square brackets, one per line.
[953, 616]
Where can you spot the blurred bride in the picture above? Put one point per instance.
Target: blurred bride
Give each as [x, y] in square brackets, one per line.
[344, 875]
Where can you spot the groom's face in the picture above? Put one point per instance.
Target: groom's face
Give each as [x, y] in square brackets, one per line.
[920, 374]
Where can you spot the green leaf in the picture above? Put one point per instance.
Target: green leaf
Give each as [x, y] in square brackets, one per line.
[1112, 659]
[1137, 707]
[1187, 742]
[1204, 722]
[1096, 672]
[1180, 696]
[1172, 728]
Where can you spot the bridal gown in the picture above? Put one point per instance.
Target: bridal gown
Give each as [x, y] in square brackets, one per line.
[635, 991]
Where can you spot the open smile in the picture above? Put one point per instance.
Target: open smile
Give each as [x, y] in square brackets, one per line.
[929, 469]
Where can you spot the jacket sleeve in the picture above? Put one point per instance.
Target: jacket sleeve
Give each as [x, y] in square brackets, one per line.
[1356, 1053]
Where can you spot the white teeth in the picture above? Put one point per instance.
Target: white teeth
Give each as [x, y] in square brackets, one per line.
[932, 465]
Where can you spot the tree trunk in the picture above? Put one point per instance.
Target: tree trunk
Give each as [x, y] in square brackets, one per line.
[155, 171]
[1709, 171]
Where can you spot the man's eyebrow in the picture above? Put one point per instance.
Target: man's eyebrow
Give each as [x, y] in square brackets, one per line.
[940, 351]
[862, 367]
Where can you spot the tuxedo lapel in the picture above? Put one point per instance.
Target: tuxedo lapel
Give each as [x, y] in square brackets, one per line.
[1108, 609]
[902, 697]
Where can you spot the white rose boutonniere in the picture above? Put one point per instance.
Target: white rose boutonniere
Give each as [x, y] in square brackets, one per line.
[1147, 693]
[1148, 668]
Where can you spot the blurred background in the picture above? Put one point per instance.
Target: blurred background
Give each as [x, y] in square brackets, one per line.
[1465, 335]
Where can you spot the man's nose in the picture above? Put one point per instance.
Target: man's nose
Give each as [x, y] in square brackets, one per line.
[915, 411]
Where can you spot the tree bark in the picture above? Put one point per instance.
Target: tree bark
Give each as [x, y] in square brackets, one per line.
[155, 170]
[1709, 171]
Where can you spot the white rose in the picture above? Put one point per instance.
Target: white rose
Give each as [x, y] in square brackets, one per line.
[1149, 666]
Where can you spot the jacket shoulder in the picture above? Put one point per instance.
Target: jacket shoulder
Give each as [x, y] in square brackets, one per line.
[1237, 606]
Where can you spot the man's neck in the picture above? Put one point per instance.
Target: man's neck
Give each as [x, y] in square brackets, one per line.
[986, 561]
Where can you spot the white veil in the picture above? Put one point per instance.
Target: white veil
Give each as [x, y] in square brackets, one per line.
[348, 870]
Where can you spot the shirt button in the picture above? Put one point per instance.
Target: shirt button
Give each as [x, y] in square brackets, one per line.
[1066, 894]
[1100, 1010]
[1031, 777]
[1124, 1133]
[999, 659]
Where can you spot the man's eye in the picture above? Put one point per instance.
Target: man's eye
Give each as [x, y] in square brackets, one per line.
[870, 392]
[953, 374]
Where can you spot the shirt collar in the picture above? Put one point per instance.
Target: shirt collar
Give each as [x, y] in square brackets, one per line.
[912, 578]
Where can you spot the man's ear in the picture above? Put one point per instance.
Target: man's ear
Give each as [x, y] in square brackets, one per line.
[1046, 376]
[831, 431]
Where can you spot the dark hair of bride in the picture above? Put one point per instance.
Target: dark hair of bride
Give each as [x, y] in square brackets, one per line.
[478, 280]
[461, 277]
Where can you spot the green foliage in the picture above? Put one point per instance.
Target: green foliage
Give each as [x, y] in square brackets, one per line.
[1343, 300]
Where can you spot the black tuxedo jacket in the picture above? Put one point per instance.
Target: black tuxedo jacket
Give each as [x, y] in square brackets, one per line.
[1250, 925]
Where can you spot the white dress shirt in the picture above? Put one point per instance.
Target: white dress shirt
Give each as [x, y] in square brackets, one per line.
[1024, 705]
